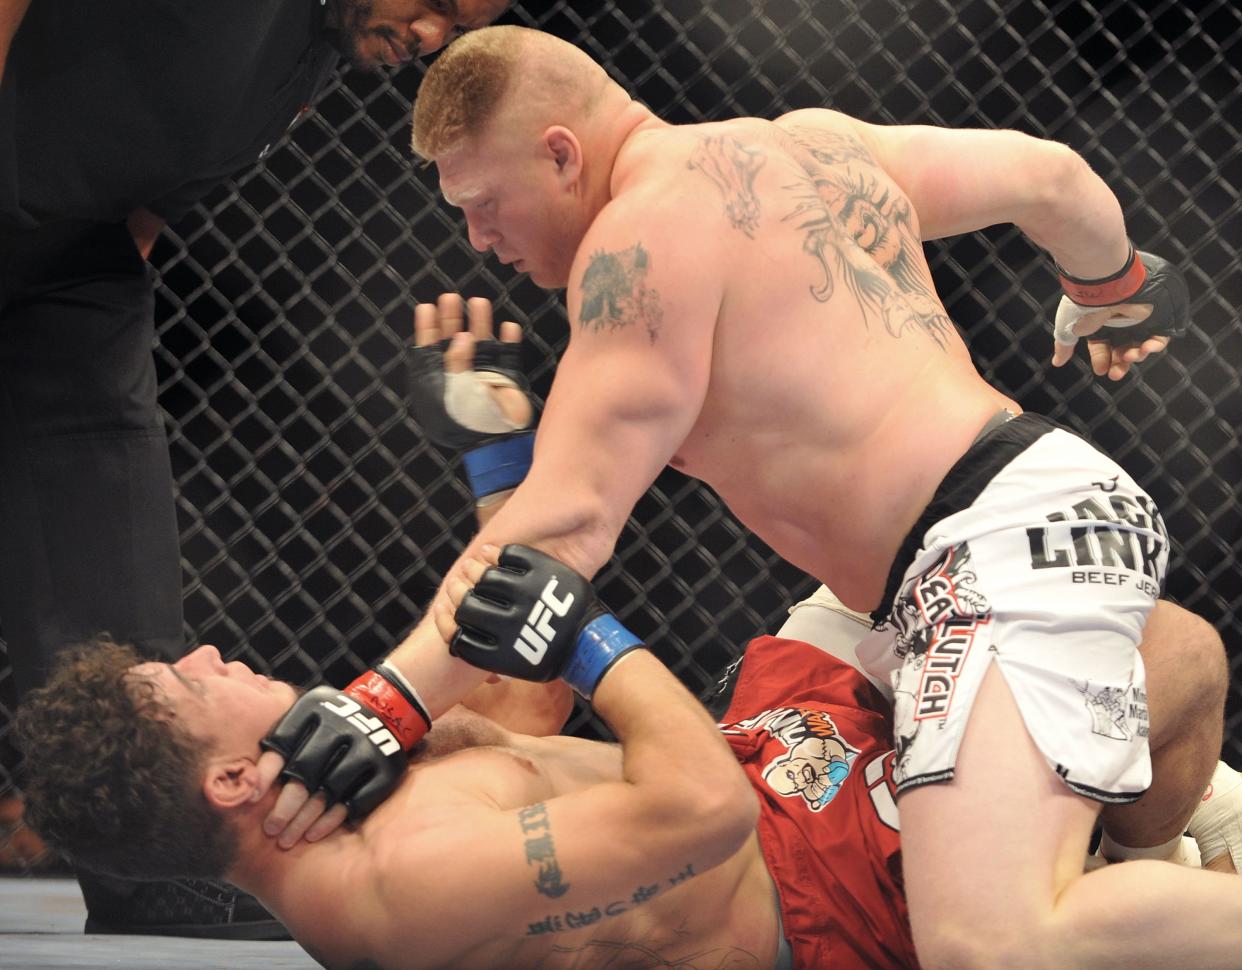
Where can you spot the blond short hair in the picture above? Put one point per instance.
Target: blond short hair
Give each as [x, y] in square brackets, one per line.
[464, 89]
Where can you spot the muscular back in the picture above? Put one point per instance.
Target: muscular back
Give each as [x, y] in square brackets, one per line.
[838, 390]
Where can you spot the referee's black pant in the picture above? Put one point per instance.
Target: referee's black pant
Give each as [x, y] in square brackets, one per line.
[88, 530]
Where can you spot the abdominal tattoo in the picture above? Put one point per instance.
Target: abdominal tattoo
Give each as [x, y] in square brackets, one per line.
[844, 196]
[576, 919]
[615, 293]
[629, 955]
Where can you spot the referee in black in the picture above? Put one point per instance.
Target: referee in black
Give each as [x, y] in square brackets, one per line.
[115, 117]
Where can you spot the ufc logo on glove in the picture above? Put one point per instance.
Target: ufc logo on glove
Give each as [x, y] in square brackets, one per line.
[532, 641]
[372, 727]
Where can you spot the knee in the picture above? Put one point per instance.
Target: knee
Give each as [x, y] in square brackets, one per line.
[1205, 651]
[1181, 646]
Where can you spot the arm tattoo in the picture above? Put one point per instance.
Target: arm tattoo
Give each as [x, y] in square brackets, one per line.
[844, 197]
[541, 852]
[615, 294]
[733, 167]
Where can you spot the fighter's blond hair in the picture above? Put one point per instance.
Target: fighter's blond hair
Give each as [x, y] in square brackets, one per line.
[465, 88]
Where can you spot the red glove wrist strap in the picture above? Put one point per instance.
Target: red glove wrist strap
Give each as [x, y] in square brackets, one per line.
[405, 719]
[1111, 289]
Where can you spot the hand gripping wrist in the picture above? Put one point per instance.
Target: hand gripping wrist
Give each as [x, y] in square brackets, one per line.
[534, 618]
[1144, 279]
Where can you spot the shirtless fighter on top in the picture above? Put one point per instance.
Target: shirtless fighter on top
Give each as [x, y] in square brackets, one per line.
[750, 303]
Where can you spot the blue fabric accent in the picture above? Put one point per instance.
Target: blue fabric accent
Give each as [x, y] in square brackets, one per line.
[600, 643]
[499, 464]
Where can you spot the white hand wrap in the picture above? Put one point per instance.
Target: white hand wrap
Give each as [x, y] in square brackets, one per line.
[470, 402]
[1069, 313]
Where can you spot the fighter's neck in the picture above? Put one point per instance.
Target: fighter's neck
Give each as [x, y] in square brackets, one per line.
[633, 120]
[263, 867]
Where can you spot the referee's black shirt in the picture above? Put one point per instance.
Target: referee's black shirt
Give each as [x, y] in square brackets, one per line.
[109, 105]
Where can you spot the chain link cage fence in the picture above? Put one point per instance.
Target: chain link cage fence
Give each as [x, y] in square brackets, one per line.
[316, 520]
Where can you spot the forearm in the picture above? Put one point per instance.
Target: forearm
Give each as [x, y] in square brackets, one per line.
[485, 509]
[438, 678]
[522, 706]
[576, 532]
[1080, 222]
[573, 521]
[11, 14]
[681, 773]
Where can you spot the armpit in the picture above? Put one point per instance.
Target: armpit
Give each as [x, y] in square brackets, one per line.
[456, 729]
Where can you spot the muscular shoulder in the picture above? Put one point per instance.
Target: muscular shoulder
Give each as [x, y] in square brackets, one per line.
[694, 188]
[671, 156]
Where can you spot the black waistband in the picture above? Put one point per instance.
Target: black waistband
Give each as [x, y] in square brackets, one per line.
[1002, 439]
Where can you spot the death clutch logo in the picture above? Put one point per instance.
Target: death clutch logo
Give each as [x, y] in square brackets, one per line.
[936, 618]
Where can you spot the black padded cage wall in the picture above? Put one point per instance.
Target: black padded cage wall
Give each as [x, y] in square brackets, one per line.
[316, 520]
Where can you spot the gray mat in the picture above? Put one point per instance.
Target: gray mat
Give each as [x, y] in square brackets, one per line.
[41, 929]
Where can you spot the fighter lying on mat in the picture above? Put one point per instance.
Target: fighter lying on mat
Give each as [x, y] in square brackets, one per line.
[504, 850]
[170, 757]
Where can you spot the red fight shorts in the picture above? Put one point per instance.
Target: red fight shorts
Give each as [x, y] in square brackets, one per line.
[811, 734]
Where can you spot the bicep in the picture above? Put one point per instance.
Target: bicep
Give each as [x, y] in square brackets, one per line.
[643, 301]
[961, 180]
[627, 391]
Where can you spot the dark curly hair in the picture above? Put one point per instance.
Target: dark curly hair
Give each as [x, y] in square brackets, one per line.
[111, 782]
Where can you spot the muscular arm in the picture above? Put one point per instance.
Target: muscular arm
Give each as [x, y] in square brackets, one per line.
[642, 310]
[627, 391]
[960, 180]
[11, 14]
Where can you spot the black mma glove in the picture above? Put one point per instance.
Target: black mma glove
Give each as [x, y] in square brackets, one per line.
[1143, 279]
[534, 618]
[353, 745]
[457, 412]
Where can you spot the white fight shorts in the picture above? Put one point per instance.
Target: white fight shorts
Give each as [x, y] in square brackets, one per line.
[1041, 554]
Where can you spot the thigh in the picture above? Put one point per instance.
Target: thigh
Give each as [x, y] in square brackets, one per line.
[994, 846]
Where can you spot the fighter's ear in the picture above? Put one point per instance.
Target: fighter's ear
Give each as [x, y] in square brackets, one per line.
[230, 783]
[565, 150]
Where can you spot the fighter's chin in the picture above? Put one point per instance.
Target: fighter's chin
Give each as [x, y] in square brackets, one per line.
[546, 279]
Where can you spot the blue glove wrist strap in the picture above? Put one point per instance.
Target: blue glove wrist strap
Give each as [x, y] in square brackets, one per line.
[600, 643]
[499, 464]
